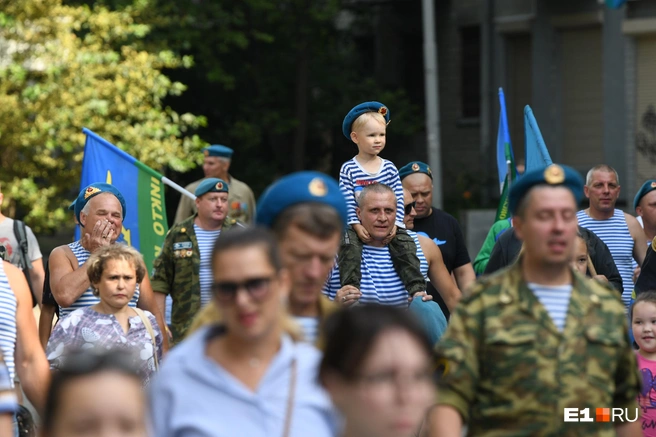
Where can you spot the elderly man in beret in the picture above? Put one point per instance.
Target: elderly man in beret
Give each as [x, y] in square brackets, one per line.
[529, 343]
[307, 213]
[99, 211]
[216, 164]
[441, 227]
[644, 204]
[183, 270]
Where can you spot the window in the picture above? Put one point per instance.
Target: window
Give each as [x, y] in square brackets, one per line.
[470, 71]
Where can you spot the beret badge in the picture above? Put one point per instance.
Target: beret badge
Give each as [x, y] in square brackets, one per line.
[90, 192]
[219, 185]
[206, 152]
[653, 184]
[382, 111]
[415, 167]
[554, 174]
[317, 187]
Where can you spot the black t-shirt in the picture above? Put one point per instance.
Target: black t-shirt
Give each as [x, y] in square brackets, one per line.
[445, 231]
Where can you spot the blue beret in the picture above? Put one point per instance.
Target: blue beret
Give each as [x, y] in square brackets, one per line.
[212, 185]
[363, 108]
[554, 175]
[430, 316]
[218, 150]
[93, 190]
[648, 186]
[300, 187]
[415, 167]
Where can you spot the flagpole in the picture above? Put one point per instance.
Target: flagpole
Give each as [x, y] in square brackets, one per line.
[177, 187]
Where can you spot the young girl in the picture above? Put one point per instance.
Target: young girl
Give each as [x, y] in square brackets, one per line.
[580, 261]
[643, 322]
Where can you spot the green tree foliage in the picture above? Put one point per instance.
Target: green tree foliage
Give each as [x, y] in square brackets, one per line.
[275, 79]
[64, 67]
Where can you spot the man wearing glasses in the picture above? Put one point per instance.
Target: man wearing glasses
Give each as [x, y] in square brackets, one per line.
[183, 269]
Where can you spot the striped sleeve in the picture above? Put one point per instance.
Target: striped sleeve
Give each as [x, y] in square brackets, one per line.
[8, 401]
[394, 182]
[329, 289]
[347, 185]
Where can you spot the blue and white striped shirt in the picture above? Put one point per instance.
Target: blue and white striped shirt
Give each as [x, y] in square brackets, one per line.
[206, 241]
[8, 330]
[87, 298]
[614, 232]
[309, 327]
[353, 178]
[380, 282]
[555, 299]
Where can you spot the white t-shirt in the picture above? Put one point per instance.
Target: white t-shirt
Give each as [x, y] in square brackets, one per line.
[9, 241]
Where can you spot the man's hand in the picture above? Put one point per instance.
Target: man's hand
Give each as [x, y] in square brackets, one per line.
[391, 235]
[601, 278]
[424, 296]
[363, 235]
[347, 296]
[102, 235]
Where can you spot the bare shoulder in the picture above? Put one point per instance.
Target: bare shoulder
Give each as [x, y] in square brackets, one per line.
[428, 246]
[62, 255]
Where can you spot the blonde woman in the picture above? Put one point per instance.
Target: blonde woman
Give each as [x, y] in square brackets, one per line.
[243, 375]
[114, 272]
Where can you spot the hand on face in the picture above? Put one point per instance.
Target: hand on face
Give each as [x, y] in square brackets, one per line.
[103, 234]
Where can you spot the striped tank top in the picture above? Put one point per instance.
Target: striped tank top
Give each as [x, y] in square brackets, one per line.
[380, 283]
[206, 240]
[7, 322]
[87, 298]
[614, 232]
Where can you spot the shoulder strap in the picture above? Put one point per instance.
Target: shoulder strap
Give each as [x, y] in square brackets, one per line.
[21, 235]
[149, 328]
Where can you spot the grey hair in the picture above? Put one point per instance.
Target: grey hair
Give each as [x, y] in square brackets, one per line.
[601, 167]
[374, 188]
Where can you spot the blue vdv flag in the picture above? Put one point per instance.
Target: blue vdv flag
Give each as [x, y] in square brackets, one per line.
[145, 224]
[537, 155]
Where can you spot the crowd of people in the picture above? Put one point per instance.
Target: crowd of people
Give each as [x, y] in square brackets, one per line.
[334, 308]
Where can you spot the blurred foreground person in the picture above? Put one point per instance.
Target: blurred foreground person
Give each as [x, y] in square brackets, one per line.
[114, 272]
[96, 395]
[244, 375]
[306, 212]
[377, 370]
[537, 338]
[8, 401]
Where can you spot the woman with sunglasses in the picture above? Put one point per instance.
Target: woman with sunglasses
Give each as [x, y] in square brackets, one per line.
[114, 272]
[244, 376]
[96, 394]
[377, 369]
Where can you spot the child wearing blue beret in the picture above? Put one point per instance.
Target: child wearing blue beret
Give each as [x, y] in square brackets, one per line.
[366, 126]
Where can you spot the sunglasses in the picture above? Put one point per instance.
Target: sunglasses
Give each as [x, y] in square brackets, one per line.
[409, 207]
[257, 288]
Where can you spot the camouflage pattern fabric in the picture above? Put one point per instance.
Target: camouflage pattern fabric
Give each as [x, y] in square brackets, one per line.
[403, 251]
[511, 372]
[176, 272]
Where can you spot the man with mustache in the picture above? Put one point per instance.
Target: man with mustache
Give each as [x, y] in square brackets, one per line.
[183, 269]
[620, 231]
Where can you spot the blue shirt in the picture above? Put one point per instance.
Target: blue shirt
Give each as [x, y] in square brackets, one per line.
[193, 396]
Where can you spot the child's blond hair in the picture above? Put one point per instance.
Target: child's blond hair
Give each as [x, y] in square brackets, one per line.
[362, 120]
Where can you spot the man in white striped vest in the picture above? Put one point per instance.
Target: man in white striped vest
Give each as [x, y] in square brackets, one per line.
[380, 282]
[620, 231]
[99, 210]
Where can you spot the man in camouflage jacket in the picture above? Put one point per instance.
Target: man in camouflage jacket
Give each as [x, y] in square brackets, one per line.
[514, 360]
[176, 271]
